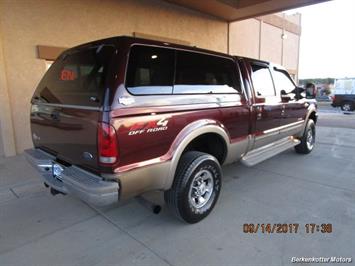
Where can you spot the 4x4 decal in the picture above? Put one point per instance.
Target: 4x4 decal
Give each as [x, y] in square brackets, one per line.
[149, 127]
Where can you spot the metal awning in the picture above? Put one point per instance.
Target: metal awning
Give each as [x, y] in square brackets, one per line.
[233, 10]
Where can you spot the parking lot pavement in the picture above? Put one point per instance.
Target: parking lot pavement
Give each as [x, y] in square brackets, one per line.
[38, 229]
[335, 117]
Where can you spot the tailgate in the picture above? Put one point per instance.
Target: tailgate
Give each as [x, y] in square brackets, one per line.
[68, 104]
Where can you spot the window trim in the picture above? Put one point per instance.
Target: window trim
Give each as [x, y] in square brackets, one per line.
[241, 93]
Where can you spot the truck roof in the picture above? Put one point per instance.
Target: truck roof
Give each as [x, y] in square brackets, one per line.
[129, 40]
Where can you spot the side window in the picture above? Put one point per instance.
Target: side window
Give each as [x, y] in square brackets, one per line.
[262, 81]
[283, 84]
[199, 73]
[150, 70]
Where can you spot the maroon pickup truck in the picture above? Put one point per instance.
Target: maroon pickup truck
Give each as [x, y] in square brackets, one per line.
[119, 117]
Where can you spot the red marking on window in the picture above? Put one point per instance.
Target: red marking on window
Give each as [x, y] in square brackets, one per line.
[67, 75]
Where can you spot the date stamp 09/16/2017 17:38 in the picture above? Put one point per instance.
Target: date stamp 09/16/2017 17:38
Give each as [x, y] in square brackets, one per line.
[292, 228]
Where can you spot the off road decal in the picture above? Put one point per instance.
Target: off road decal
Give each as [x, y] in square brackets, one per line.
[149, 127]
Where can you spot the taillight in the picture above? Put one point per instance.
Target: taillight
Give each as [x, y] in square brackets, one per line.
[107, 144]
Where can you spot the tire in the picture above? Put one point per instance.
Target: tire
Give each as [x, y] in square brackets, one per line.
[183, 197]
[308, 139]
[347, 107]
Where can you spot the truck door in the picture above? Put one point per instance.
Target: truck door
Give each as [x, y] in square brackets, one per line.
[267, 106]
[293, 109]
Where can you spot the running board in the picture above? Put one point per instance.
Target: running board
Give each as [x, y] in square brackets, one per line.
[263, 153]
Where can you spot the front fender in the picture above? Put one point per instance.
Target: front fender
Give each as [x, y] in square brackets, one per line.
[312, 108]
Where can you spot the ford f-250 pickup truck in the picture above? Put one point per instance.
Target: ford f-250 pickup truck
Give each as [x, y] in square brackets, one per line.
[119, 117]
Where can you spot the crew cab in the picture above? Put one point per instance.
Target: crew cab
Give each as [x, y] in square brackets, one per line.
[115, 118]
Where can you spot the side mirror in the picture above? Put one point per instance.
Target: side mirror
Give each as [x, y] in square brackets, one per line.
[284, 96]
[311, 93]
[299, 92]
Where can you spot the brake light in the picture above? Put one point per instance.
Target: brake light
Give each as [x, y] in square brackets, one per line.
[107, 144]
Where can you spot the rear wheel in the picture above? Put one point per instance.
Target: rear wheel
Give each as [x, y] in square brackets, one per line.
[196, 186]
[347, 106]
[308, 139]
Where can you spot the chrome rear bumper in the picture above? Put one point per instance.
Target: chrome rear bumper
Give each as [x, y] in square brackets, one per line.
[74, 180]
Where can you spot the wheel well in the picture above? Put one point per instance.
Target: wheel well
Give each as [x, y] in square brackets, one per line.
[210, 143]
[313, 117]
[348, 101]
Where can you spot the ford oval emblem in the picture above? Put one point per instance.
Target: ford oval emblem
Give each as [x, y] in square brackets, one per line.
[87, 156]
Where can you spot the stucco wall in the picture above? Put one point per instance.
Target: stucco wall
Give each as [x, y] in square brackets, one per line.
[271, 43]
[244, 38]
[258, 39]
[291, 50]
[7, 140]
[27, 23]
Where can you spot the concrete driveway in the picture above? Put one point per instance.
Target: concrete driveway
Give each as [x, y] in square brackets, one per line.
[39, 229]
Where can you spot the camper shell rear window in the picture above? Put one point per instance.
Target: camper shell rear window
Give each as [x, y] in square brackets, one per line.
[77, 77]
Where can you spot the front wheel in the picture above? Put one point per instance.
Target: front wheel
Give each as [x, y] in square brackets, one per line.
[196, 186]
[308, 139]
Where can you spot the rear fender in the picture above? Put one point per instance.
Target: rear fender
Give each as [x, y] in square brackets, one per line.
[183, 139]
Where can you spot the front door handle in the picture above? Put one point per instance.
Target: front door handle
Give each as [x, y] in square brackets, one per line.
[259, 112]
[283, 109]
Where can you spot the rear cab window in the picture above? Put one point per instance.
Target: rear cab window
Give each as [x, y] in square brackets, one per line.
[77, 77]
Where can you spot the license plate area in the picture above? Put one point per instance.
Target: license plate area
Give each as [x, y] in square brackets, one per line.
[57, 170]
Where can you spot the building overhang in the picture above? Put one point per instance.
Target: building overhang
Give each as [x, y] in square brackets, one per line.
[233, 10]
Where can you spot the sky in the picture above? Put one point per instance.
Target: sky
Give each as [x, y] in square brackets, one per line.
[327, 47]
